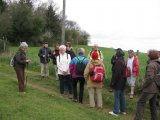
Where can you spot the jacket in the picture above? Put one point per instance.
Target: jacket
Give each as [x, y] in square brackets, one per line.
[54, 54]
[90, 83]
[63, 62]
[20, 59]
[71, 53]
[118, 79]
[149, 85]
[73, 64]
[135, 66]
[44, 51]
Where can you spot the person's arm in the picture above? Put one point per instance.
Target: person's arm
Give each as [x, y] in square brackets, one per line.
[40, 53]
[72, 66]
[86, 71]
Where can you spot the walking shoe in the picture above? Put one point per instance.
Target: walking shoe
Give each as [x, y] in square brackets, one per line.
[75, 100]
[123, 113]
[70, 96]
[112, 113]
[131, 96]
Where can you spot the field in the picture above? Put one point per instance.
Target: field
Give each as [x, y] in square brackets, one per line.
[42, 100]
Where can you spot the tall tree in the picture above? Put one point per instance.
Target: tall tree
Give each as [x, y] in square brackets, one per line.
[3, 6]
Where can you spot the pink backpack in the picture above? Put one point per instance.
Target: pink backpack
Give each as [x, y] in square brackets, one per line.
[98, 73]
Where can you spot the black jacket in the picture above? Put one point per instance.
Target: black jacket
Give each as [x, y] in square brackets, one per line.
[119, 81]
[71, 53]
[47, 53]
[54, 54]
[20, 59]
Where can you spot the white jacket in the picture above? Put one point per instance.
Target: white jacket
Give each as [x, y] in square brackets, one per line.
[63, 61]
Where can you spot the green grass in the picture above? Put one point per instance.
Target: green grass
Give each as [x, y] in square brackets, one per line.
[42, 100]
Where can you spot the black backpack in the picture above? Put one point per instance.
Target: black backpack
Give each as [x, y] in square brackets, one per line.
[157, 77]
[80, 66]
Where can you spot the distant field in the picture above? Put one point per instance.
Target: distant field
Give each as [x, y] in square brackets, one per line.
[42, 100]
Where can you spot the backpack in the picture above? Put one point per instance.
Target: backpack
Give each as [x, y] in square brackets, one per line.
[12, 61]
[97, 73]
[157, 77]
[80, 66]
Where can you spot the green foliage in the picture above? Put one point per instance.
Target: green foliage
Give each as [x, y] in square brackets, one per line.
[3, 6]
[4, 46]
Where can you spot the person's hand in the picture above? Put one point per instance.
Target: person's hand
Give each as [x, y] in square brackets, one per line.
[28, 60]
[43, 55]
[64, 72]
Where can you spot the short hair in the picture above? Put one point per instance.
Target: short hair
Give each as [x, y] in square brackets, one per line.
[23, 45]
[62, 47]
[153, 54]
[130, 51]
[69, 44]
[81, 50]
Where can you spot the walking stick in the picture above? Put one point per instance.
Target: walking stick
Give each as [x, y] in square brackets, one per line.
[26, 77]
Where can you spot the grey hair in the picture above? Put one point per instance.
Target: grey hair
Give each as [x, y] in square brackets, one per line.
[81, 50]
[23, 45]
[62, 47]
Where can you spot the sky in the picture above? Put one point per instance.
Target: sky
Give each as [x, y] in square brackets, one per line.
[126, 24]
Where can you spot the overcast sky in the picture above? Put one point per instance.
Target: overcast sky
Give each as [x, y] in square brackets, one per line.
[127, 24]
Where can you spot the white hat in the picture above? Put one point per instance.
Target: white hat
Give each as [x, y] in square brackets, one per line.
[23, 45]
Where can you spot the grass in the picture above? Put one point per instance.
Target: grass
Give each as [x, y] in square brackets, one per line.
[42, 100]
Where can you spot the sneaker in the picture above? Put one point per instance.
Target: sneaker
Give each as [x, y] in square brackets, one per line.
[131, 96]
[70, 96]
[123, 113]
[75, 100]
[112, 113]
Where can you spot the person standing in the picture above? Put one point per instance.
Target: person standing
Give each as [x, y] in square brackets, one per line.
[77, 66]
[55, 53]
[93, 85]
[44, 55]
[96, 49]
[69, 50]
[133, 65]
[150, 89]
[20, 62]
[119, 84]
[63, 61]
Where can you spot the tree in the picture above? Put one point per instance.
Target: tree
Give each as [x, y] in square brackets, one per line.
[3, 6]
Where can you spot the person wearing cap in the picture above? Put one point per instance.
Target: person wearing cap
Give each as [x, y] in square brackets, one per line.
[133, 65]
[63, 61]
[91, 85]
[78, 77]
[119, 84]
[96, 49]
[44, 55]
[20, 62]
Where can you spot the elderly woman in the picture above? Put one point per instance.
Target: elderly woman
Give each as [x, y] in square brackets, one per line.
[94, 86]
[77, 67]
[63, 61]
[150, 89]
[20, 62]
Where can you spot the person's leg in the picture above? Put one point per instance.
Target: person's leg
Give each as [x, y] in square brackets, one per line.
[99, 97]
[81, 89]
[61, 79]
[116, 101]
[122, 101]
[153, 107]
[42, 70]
[68, 82]
[91, 97]
[75, 80]
[47, 69]
[20, 77]
[56, 72]
[141, 104]
[133, 81]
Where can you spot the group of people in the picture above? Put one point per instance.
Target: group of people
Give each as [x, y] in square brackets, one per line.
[71, 69]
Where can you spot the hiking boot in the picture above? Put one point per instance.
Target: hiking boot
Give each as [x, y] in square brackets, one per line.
[112, 113]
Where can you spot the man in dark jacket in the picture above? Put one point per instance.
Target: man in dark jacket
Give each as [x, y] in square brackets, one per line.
[150, 90]
[44, 55]
[119, 83]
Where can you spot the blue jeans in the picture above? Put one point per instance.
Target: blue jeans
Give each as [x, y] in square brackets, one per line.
[119, 101]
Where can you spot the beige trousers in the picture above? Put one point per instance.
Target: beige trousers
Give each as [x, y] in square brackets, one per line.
[44, 70]
[91, 92]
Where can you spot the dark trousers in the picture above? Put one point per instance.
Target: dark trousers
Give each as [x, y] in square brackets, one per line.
[81, 81]
[65, 79]
[20, 77]
[141, 104]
